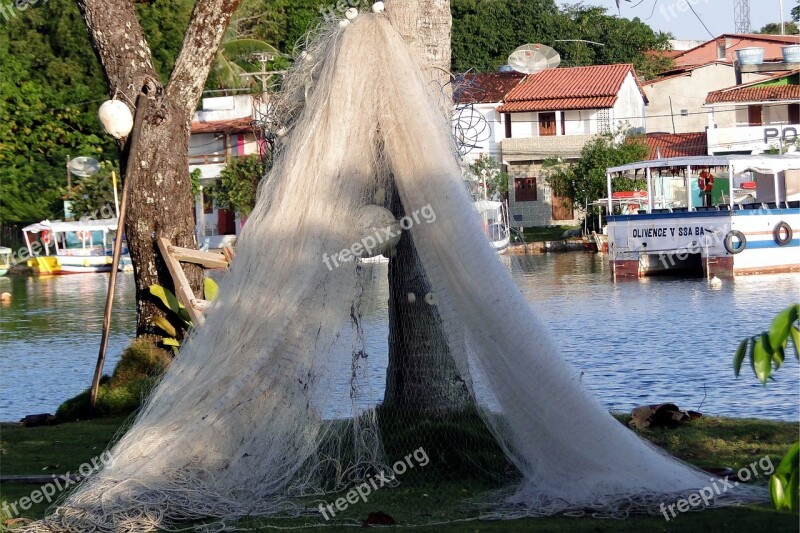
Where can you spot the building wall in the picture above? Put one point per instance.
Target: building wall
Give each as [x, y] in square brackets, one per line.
[725, 49]
[689, 92]
[629, 110]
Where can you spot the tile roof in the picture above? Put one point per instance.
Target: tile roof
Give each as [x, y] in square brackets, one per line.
[485, 88]
[234, 125]
[677, 144]
[755, 94]
[568, 88]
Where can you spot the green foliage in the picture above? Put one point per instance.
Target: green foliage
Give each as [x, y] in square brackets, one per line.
[486, 32]
[796, 12]
[137, 371]
[585, 181]
[767, 352]
[238, 184]
[486, 168]
[774, 28]
[92, 193]
[178, 322]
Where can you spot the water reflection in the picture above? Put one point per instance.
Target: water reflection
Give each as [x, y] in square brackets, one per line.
[636, 342]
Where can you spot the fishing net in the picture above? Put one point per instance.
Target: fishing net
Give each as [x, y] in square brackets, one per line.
[271, 406]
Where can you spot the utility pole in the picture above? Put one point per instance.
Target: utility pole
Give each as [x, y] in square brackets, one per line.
[263, 75]
[741, 14]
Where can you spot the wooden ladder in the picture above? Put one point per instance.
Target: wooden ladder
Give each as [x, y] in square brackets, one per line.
[174, 256]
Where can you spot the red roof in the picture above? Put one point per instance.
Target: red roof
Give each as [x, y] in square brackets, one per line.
[708, 51]
[234, 125]
[568, 88]
[755, 91]
[677, 144]
[755, 94]
[486, 88]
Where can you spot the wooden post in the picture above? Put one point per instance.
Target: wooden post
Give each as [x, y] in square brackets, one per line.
[141, 106]
[183, 289]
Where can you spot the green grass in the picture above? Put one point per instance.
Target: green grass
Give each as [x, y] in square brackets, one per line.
[705, 442]
[546, 234]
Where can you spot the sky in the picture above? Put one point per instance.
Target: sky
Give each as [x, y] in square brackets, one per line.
[716, 14]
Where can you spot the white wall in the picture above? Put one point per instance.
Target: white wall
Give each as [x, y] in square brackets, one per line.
[225, 108]
[629, 110]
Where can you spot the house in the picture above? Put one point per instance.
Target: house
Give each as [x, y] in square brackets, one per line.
[767, 113]
[221, 130]
[724, 48]
[668, 145]
[477, 123]
[676, 97]
[553, 114]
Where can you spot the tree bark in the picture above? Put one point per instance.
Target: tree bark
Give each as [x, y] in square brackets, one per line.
[161, 201]
[421, 376]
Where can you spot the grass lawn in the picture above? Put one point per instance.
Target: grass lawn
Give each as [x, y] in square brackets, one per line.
[546, 234]
[706, 442]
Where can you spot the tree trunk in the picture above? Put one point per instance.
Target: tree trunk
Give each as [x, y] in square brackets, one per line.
[161, 201]
[422, 375]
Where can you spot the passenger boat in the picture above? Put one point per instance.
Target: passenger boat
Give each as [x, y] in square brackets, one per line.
[494, 216]
[719, 215]
[77, 247]
[5, 260]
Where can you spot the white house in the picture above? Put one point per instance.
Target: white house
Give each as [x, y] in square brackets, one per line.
[553, 114]
[220, 130]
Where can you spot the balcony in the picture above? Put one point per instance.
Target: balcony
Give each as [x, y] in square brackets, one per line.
[749, 138]
[539, 148]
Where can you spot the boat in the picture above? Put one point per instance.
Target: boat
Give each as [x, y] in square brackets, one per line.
[494, 216]
[5, 260]
[716, 215]
[76, 247]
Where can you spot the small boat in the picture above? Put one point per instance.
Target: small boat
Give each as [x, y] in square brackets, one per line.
[5, 260]
[495, 223]
[78, 247]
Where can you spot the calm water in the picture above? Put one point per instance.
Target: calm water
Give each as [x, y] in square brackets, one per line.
[636, 342]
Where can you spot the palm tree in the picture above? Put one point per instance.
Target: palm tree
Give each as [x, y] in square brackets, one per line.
[238, 59]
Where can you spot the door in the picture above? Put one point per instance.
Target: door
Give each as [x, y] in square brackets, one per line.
[754, 115]
[547, 124]
[226, 222]
[562, 208]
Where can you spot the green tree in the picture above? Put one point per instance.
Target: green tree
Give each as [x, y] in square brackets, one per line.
[93, 193]
[796, 12]
[774, 28]
[585, 180]
[486, 168]
[238, 184]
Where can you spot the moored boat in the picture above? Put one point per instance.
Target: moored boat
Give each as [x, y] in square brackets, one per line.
[719, 215]
[494, 216]
[82, 246]
[5, 260]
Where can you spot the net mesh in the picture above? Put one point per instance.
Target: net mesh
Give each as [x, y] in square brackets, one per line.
[273, 403]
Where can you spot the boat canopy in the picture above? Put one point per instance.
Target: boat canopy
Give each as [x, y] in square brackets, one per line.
[5, 251]
[763, 164]
[487, 205]
[108, 224]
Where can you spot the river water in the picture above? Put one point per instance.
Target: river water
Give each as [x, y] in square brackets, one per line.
[636, 342]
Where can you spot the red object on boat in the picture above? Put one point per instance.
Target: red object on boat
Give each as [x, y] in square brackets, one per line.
[748, 185]
[624, 195]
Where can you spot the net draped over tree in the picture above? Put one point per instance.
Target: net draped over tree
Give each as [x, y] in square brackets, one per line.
[268, 402]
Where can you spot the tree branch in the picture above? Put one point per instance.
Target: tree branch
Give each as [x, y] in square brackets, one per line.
[203, 37]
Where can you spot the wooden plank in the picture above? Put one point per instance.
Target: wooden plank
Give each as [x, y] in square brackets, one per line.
[201, 305]
[198, 257]
[183, 289]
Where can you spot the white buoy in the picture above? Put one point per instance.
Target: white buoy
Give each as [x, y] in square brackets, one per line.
[344, 23]
[378, 7]
[412, 297]
[351, 13]
[116, 118]
[715, 283]
[430, 299]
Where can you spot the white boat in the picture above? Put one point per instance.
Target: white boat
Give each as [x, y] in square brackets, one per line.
[494, 216]
[692, 220]
[77, 247]
[5, 260]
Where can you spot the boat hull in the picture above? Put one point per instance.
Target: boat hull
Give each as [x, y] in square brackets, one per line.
[57, 265]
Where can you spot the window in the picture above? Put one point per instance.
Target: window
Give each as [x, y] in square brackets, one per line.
[721, 50]
[547, 124]
[755, 115]
[794, 113]
[684, 112]
[208, 201]
[507, 120]
[603, 121]
[525, 190]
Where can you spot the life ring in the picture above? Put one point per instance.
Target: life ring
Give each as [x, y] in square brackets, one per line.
[706, 181]
[781, 228]
[729, 238]
[82, 235]
[45, 237]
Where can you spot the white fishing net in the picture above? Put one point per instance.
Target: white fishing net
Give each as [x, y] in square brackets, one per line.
[268, 403]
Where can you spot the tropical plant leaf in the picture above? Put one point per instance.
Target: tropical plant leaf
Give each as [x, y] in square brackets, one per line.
[792, 490]
[796, 341]
[777, 491]
[164, 325]
[170, 342]
[210, 289]
[166, 297]
[242, 49]
[789, 460]
[762, 357]
[739, 356]
[781, 326]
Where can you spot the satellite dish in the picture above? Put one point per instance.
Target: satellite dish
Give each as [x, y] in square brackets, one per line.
[83, 166]
[532, 58]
